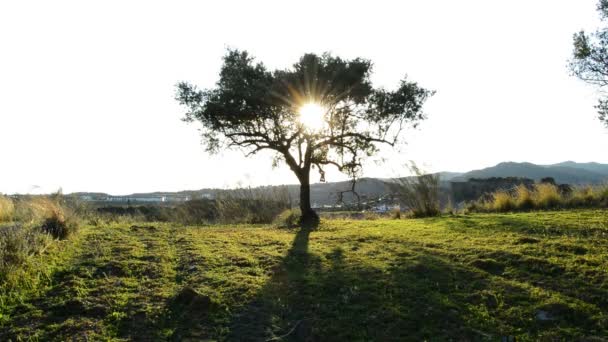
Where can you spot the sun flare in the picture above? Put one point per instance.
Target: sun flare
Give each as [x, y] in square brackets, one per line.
[312, 116]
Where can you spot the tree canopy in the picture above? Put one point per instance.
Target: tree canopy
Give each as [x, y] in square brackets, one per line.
[590, 59]
[257, 109]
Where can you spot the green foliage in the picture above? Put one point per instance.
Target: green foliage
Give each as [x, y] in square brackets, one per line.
[23, 265]
[256, 109]
[289, 218]
[590, 59]
[60, 227]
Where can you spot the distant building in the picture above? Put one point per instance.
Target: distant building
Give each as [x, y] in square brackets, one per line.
[126, 199]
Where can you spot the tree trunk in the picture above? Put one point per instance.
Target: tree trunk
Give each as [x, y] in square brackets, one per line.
[309, 217]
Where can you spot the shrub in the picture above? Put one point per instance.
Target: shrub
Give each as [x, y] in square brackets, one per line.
[289, 218]
[7, 209]
[17, 243]
[59, 227]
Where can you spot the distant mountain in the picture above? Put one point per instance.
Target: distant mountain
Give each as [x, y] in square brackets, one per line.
[593, 167]
[369, 188]
[567, 172]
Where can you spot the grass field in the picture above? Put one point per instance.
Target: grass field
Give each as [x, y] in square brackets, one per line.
[534, 276]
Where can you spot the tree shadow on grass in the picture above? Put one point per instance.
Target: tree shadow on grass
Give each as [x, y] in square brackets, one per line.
[314, 297]
[356, 291]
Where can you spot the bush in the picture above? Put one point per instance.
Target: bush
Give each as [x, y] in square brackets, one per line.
[59, 227]
[7, 209]
[289, 218]
[17, 244]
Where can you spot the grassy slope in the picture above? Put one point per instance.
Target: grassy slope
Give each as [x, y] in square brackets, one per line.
[467, 278]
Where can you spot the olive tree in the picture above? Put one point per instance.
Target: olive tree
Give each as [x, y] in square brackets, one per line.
[590, 59]
[321, 112]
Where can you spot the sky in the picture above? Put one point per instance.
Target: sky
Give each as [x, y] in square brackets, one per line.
[87, 88]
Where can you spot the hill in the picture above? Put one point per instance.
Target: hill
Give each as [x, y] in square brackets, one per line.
[593, 167]
[567, 173]
[369, 188]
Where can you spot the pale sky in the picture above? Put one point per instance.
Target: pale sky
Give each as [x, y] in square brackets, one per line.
[87, 88]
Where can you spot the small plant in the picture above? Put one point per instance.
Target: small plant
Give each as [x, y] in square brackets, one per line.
[59, 227]
[289, 218]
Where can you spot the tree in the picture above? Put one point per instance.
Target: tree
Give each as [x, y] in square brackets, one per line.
[323, 111]
[590, 59]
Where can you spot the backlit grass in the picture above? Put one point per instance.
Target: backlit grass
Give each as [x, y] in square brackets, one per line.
[474, 277]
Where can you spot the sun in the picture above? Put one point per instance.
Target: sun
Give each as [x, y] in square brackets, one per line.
[312, 116]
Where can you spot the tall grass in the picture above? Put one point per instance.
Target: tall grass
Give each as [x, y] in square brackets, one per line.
[420, 194]
[524, 198]
[543, 196]
[252, 205]
[242, 205]
[35, 222]
[7, 209]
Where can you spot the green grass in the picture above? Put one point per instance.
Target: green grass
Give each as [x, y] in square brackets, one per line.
[534, 276]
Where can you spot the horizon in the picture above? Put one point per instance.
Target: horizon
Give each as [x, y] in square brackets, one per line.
[89, 107]
[243, 186]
